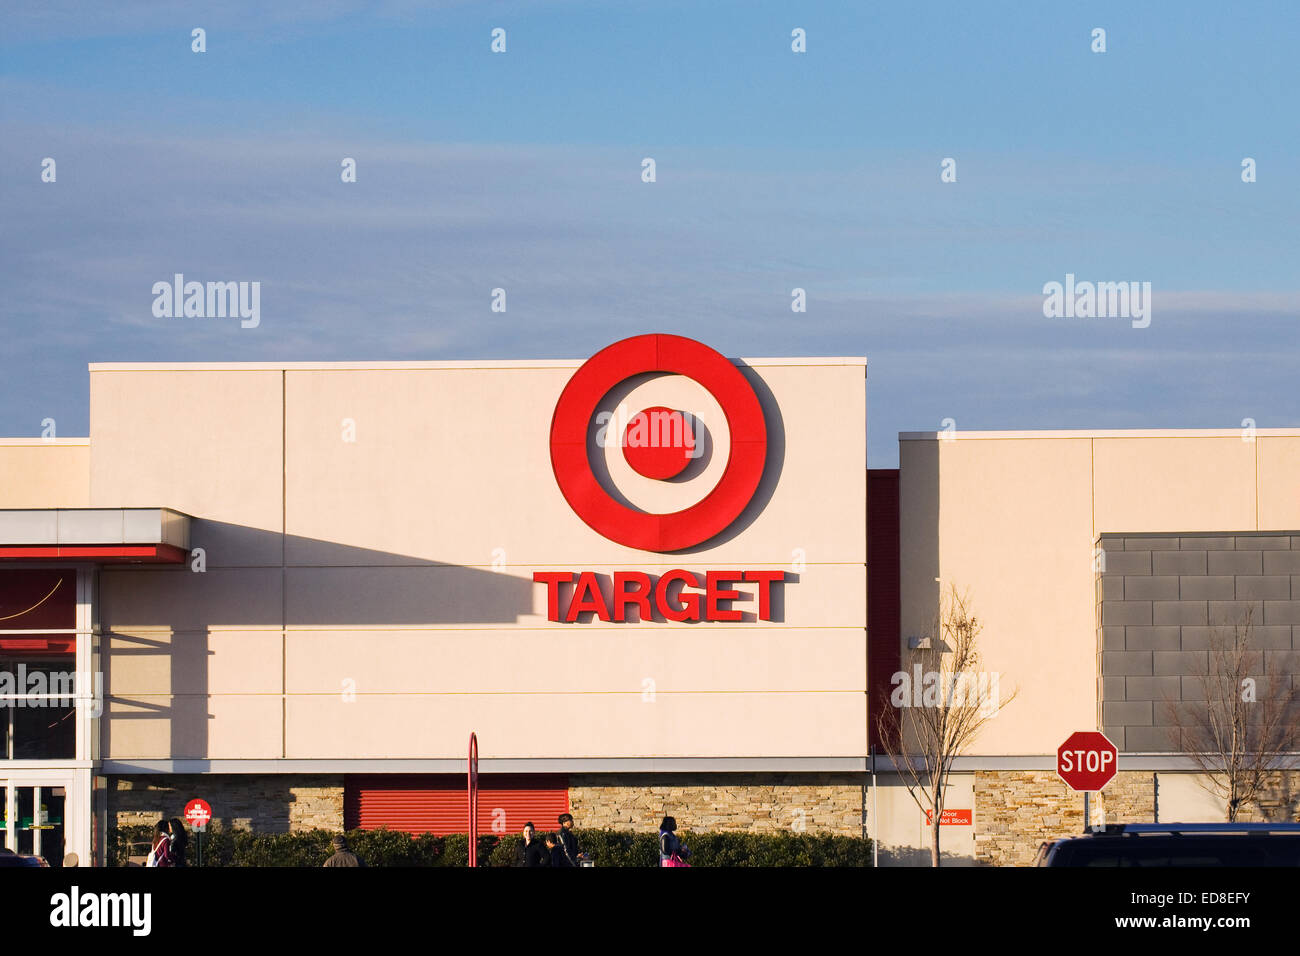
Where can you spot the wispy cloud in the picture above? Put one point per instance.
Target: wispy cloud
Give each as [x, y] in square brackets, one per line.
[71, 18]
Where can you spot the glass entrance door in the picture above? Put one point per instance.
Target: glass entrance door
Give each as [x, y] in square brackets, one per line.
[33, 820]
[50, 699]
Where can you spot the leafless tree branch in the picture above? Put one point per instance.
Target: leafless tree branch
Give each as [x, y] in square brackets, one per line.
[926, 728]
[1246, 730]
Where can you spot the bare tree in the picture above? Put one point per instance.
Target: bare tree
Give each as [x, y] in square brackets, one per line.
[1246, 727]
[939, 707]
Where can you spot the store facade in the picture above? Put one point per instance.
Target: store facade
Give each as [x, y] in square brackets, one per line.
[654, 581]
[1102, 565]
[365, 555]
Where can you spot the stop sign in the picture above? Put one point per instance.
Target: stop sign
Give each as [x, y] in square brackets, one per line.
[198, 813]
[1087, 760]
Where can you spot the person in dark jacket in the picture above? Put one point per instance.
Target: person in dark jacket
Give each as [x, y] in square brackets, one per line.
[179, 841]
[553, 848]
[534, 851]
[671, 851]
[342, 855]
[568, 843]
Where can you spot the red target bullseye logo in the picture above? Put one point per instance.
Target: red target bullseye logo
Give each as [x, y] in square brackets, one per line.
[639, 529]
[658, 443]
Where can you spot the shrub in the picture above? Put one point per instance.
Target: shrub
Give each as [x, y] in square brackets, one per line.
[228, 847]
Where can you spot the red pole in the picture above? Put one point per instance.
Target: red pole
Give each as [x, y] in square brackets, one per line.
[473, 800]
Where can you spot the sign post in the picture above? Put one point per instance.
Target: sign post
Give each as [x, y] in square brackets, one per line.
[1087, 761]
[198, 812]
[473, 800]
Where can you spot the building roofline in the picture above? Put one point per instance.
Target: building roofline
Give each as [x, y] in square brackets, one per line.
[473, 364]
[1237, 433]
[63, 442]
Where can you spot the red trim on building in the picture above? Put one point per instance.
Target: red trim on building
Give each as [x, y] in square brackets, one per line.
[884, 610]
[108, 553]
[437, 803]
[53, 645]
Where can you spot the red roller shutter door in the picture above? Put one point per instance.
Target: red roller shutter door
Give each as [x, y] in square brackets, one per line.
[435, 803]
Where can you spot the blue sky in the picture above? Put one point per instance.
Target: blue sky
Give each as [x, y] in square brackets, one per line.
[775, 170]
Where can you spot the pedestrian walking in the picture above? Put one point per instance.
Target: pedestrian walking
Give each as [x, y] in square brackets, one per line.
[671, 850]
[534, 852]
[179, 840]
[160, 849]
[343, 855]
[568, 841]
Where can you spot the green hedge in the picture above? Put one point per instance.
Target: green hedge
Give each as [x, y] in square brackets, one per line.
[606, 847]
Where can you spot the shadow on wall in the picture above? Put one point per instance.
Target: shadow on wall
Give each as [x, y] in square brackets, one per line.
[920, 856]
[165, 614]
[918, 538]
[1279, 800]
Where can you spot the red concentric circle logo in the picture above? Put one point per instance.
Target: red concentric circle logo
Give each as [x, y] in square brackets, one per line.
[639, 529]
[658, 443]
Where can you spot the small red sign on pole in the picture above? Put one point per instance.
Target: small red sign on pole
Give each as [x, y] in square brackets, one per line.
[1087, 760]
[198, 813]
[472, 796]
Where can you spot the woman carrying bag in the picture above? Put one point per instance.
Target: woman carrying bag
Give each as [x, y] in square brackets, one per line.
[671, 851]
[160, 852]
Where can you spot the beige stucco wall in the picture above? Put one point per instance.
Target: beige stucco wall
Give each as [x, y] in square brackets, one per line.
[207, 444]
[1013, 517]
[36, 473]
[374, 598]
[1186, 798]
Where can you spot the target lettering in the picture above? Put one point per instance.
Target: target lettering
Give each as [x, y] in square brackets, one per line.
[676, 595]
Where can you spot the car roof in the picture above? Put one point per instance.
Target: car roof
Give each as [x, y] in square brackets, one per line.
[1190, 829]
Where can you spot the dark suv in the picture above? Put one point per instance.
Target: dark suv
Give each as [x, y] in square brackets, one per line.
[1178, 844]
[10, 858]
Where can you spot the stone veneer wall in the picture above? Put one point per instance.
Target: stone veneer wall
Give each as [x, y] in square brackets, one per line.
[1279, 800]
[265, 803]
[1017, 810]
[754, 802]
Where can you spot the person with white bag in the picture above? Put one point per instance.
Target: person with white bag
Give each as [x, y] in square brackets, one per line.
[160, 853]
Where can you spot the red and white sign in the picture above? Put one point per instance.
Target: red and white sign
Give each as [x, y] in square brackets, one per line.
[198, 813]
[1087, 760]
[658, 443]
[605, 513]
[950, 818]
